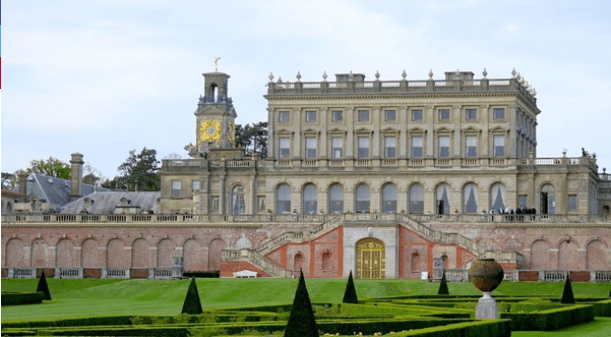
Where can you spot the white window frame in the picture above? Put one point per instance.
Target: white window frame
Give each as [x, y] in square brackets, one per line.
[360, 141]
[284, 117]
[414, 147]
[284, 152]
[501, 114]
[361, 114]
[337, 116]
[420, 112]
[337, 147]
[390, 150]
[442, 140]
[471, 144]
[471, 118]
[443, 114]
[390, 115]
[498, 148]
[310, 116]
[311, 144]
[176, 188]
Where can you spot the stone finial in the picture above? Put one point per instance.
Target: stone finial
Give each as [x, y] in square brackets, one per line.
[522, 81]
[485, 73]
[431, 73]
[324, 75]
[377, 75]
[351, 76]
[298, 76]
[513, 73]
[404, 74]
[271, 76]
[279, 79]
[519, 77]
[534, 93]
[526, 85]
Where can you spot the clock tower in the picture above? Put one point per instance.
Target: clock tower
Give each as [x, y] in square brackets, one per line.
[215, 120]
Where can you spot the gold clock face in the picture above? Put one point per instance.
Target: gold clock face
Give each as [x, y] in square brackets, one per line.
[210, 131]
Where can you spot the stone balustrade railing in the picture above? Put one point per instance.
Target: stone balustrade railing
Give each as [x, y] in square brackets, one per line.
[68, 272]
[255, 259]
[165, 273]
[513, 218]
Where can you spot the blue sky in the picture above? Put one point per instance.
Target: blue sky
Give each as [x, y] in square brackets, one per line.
[105, 77]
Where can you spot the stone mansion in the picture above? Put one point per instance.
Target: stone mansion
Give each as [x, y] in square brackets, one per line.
[388, 179]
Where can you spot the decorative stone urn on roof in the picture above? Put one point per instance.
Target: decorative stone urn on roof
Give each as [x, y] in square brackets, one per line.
[486, 275]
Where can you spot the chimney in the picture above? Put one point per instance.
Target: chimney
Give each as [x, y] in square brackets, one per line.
[76, 175]
[23, 185]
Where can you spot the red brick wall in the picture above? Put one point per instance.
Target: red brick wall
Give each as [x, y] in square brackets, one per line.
[49, 272]
[529, 276]
[138, 273]
[230, 267]
[580, 276]
[92, 273]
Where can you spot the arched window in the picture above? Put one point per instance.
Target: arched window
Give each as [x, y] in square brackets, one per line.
[442, 198]
[548, 199]
[283, 199]
[416, 199]
[215, 92]
[326, 261]
[415, 265]
[470, 199]
[336, 199]
[389, 198]
[297, 264]
[309, 199]
[362, 199]
[238, 203]
[497, 197]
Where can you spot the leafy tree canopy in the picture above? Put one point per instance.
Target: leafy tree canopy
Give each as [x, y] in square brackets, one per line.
[252, 138]
[139, 172]
[52, 167]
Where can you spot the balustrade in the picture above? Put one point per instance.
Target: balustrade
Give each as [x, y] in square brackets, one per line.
[69, 272]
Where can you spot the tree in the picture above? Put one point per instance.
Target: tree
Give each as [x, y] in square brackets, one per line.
[52, 167]
[252, 138]
[301, 321]
[350, 293]
[139, 172]
[192, 305]
[443, 286]
[8, 180]
[567, 293]
[43, 287]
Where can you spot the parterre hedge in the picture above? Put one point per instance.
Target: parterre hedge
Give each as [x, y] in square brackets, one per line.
[496, 327]
[549, 320]
[22, 298]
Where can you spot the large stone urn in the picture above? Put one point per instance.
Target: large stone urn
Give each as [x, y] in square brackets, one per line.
[486, 275]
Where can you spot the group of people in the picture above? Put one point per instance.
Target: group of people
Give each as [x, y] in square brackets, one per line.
[520, 210]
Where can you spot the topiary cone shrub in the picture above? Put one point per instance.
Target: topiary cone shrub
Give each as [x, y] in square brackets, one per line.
[567, 293]
[43, 287]
[443, 286]
[192, 304]
[350, 293]
[301, 321]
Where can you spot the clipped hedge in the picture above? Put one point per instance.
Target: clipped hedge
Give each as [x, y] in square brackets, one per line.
[602, 308]
[549, 320]
[492, 328]
[22, 298]
[70, 321]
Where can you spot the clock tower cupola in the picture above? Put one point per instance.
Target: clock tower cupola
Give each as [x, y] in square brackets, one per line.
[215, 120]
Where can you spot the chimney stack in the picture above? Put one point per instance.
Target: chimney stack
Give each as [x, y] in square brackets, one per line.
[76, 175]
[23, 185]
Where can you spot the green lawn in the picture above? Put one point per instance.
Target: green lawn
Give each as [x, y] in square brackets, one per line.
[601, 327]
[86, 297]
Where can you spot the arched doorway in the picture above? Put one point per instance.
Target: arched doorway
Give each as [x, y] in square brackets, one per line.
[370, 259]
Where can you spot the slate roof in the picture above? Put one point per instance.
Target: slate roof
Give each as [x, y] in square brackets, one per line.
[53, 190]
[108, 201]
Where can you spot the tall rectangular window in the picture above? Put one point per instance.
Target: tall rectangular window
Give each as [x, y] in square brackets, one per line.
[195, 185]
[499, 146]
[390, 115]
[337, 145]
[417, 115]
[261, 204]
[285, 147]
[363, 151]
[337, 116]
[310, 147]
[310, 116]
[284, 116]
[176, 188]
[214, 203]
[522, 201]
[471, 146]
[444, 146]
[390, 147]
[363, 115]
[572, 202]
[416, 146]
[471, 114]
[444, 114]
[498, 113]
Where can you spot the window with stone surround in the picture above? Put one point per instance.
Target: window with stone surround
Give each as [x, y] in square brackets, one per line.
[176, 188]
[336, 199]
[471, 146]
[498, 113]
[390, 147]
[417, 146]
[363, 116]
[337, 116]
[417, 115]
[195, 185]
[310, 199]
[283, 199]
[337, 147]
[214, 203]
[238, 200]
[499, 146]
[310, 149]
[363, 147]
[284, 117]
[416, 199]
[471, 114]
[389, 198]
[444, 146]
[310, 116]
[284, 148]
[390, 115]
[362, 198]
[444, 114]
[572, 203]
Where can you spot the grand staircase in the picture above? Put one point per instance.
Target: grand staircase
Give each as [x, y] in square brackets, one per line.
[257, 258]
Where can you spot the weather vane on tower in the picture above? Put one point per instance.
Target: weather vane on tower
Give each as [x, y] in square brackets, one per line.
[216, 63]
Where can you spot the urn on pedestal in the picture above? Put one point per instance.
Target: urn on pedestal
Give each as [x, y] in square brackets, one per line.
[486, 275]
